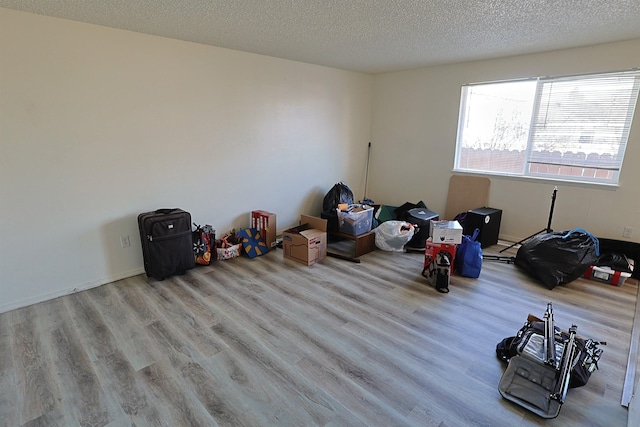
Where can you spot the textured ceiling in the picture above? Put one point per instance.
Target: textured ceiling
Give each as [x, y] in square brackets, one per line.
[364, 35]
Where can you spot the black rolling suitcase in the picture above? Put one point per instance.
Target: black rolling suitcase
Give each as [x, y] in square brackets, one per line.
[167, 245]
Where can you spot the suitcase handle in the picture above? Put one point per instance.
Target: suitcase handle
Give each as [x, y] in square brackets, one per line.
[166, 211]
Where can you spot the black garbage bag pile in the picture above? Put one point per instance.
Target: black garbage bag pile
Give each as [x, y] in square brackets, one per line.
[559, 257]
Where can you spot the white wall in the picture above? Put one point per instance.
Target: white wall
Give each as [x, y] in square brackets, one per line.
[414, 125]
[98, 125]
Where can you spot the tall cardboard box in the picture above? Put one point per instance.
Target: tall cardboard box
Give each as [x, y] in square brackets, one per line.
[306, 243]
[265, 223]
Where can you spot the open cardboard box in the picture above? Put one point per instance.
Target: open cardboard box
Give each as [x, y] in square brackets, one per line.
[306, 243]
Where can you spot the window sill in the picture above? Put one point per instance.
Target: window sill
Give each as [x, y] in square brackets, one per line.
[554, 181]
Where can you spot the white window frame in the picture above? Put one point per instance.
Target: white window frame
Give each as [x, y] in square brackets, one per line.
[589, 151]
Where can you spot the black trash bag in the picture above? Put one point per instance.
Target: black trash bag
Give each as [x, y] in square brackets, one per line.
[614, 261]
[339, 193]
[402, 212]
[631, 250]
[461, 218]
[559, 257]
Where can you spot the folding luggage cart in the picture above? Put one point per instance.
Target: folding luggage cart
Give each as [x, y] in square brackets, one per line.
[544, 362]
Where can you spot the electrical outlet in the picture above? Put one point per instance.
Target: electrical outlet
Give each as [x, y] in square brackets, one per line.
[124, 241]
[627, 232]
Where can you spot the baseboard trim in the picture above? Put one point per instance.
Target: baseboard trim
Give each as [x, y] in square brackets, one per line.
[70, 290]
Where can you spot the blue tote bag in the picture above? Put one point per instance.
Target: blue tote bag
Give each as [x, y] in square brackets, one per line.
[469, 256]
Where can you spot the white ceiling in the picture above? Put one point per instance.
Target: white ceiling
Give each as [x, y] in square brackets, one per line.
[370, 36]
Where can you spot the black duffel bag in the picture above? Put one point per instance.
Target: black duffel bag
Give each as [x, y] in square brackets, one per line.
[559, 257]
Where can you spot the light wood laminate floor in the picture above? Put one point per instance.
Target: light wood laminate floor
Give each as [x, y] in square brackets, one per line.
[268, 342]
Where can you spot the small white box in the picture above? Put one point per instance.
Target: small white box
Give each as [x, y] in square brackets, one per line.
[445, 232]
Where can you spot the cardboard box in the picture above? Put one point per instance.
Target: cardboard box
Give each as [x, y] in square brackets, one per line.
[445, 232]
[265, 223]
[306, 243]
[356, 220]
[431, 250]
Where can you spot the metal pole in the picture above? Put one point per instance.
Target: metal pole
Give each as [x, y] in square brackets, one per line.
[366, 174]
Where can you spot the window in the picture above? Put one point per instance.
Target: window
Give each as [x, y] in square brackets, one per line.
[565, 128]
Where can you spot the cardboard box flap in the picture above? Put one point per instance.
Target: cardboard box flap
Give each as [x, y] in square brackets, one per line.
[298, 229]
[311, 233]
[314, 222]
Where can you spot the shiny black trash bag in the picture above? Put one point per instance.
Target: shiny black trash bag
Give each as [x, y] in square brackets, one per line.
[558, 257]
